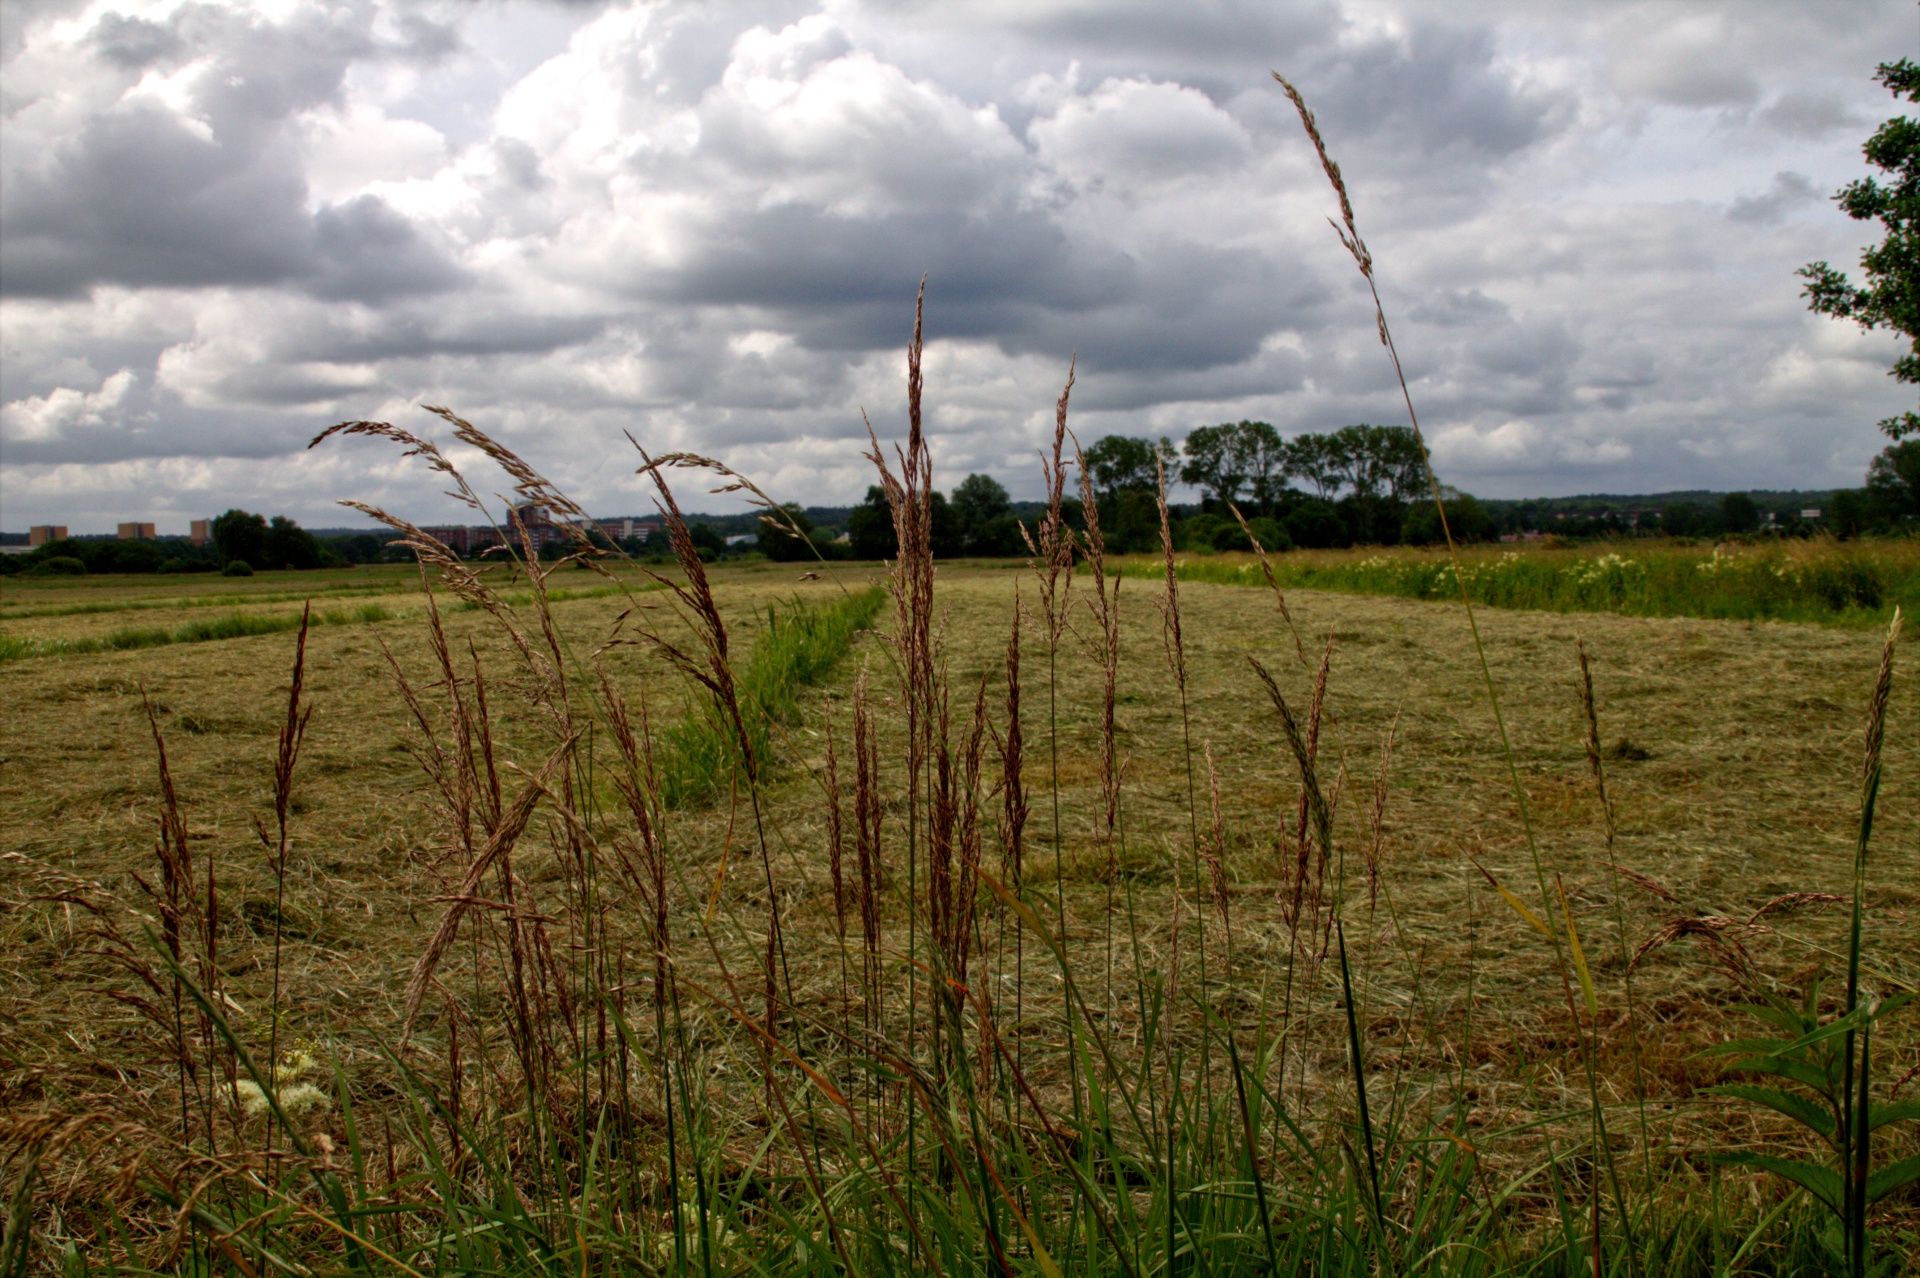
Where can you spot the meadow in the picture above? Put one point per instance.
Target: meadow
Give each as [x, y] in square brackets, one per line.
[851, 1007]
[1854, 583]
[967, 919]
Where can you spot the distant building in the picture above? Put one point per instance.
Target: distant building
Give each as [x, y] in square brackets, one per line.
[464, 540]
[1811, 512]
[136, 532]
[628, 526]
[200, 532]
[41, 534]
[537, 520]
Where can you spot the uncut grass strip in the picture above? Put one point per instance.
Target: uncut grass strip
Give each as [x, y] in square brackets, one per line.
[238, 625]
[13, 611]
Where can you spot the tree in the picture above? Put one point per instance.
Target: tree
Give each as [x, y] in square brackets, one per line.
[870, 527]
[1680, 520]
[978, 500]
[1316, 459]
[1316, 525]
[1117, 463]
[1891, 297]
[242, 537]
[288, 545]
[1893, 482]
[1467, 520]
[1380, 461]
[708, 541]
[1223, 459]
[778, 540]
[944, 536]
[1264, 456]
[1216, 461]
[1738, 513]
[1848, 513]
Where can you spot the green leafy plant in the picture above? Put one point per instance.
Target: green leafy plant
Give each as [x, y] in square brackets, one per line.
[1811, 1054]
[1833, 1058]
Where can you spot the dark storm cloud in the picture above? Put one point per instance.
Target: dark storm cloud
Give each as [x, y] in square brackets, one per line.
[364, 251]
[148, 195]
[140, 198]
[1789, 191]
[1437, 97]
[223, 226]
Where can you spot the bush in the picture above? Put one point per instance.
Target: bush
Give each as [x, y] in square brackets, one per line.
[1316, 525]
[238, 568]
[1231, 536]
[1467, 520]
[59, 566]
[1272, 534]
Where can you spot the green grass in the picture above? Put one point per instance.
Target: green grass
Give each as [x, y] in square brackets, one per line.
[234, 625]
[1851, 583]
[797, 647]
[138, 603]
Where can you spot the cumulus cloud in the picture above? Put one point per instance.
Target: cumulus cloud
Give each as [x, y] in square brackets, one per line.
[223, 226]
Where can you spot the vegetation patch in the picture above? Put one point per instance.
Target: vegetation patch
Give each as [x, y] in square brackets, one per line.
[794, 650]
[234, 625]
[1845, 583]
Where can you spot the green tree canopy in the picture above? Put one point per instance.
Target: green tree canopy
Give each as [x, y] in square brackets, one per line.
[1739, 513]
[1380, 461]
[1318, 460]
[978, 500]
[242, 536]
[1890, 297]
[1118, 463]
[1893, 482]
[1222, 460]
[870, 527]
[777, 539]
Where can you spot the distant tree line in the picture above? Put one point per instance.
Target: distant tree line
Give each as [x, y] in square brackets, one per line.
[1360, 484]
[241, 543]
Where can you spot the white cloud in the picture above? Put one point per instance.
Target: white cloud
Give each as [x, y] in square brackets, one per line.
[47, 417]
[706, 224]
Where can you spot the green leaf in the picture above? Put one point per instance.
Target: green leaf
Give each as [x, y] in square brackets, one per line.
[1784, 1067]
[1756, 1046]
[1783, 1014]
[1859, 1018]
[1801, 1110]
[1821, 1182]
[1902, 1112]
[1892, 1177]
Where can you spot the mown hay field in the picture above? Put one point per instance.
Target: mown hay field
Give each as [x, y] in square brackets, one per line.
[1732, 753]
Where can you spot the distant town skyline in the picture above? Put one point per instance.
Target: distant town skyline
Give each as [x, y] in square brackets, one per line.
[225, 227]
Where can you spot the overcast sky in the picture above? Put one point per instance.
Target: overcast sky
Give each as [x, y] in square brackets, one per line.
[225, 227]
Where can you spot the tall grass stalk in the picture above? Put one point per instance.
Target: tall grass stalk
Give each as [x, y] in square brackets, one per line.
[1363, 259]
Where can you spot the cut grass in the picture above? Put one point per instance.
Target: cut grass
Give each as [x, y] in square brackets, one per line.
[1830, 583]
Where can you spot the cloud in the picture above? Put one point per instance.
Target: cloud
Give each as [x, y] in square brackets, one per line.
[193, 174]
[40, 418]
[1788, 191]
[223, 226]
